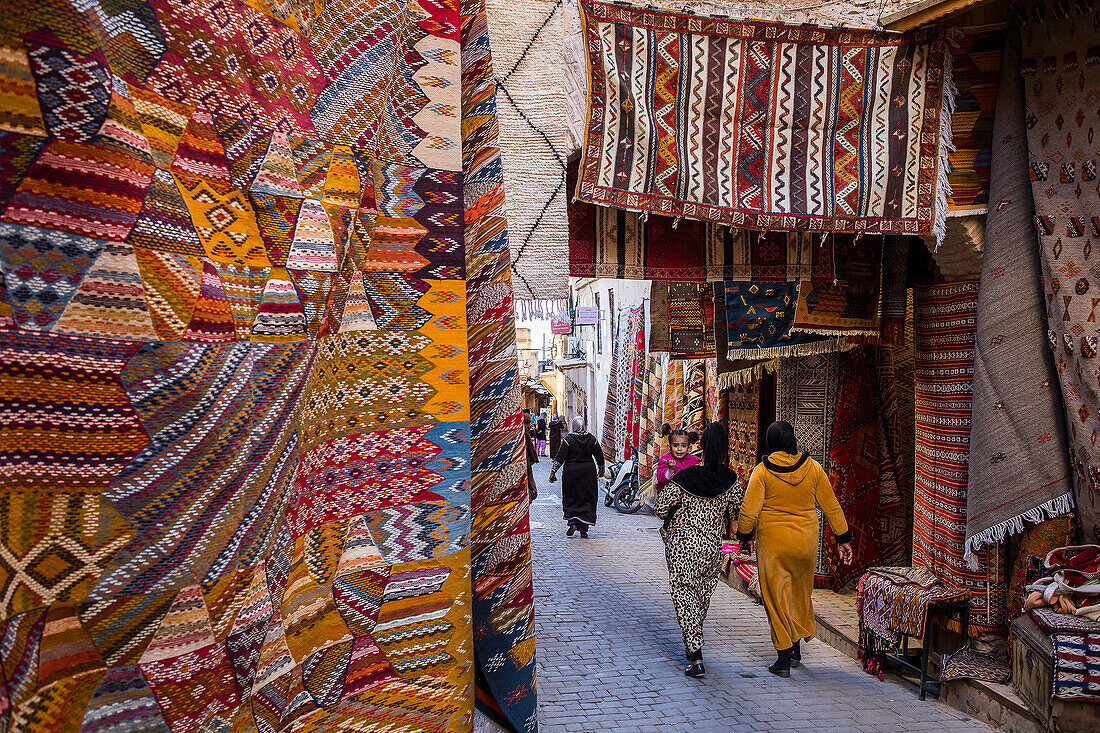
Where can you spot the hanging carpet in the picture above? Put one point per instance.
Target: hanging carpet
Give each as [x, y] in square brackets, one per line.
[1018, 425]
[526, 43]
[1060, 78]
[690, 320]
[259, 452]
[743, 416]
[759, 318]
[658, 317]
[944, 371]
[850, 305]
[796, 123]
[805, 397]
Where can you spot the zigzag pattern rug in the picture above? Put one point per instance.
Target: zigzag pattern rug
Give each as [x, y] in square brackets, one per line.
[260, 455]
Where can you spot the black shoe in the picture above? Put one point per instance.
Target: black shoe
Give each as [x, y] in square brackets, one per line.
[782, 666]
[584, 535]
[571, 531]
[696, 670]
[796, 656]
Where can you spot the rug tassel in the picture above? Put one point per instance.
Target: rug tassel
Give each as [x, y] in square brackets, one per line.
[998, 533]
[729, 380]
[826, 346]
[947, 144]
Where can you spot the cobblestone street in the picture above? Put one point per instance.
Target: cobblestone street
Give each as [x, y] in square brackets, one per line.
[610, 654]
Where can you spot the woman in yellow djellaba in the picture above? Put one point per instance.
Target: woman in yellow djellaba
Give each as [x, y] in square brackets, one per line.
[779, 506]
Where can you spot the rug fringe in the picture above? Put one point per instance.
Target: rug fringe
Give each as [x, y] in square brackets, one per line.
[947, 143]
[825, 346]
[729, 380]
[838, 332]
[1056, 507]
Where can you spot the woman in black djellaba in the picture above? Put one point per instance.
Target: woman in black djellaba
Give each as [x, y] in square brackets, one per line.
[581, 456]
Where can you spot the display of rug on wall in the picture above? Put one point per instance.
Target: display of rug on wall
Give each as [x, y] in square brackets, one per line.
[611, 403]
[1018, 425]
[805, 396]
[1059, 79]
[637, 382]
[851, 305]
[244, 246]
[527, 50]
[944, 372]
[756, 124]
[658, 317]
[649, 446]
[690, 320]
[976, 71]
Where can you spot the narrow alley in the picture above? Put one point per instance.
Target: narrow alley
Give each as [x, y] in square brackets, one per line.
[610, 655]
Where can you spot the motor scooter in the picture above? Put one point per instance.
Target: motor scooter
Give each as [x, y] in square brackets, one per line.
[622, 490]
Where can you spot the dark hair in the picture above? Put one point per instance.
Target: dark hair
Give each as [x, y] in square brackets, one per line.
[781, 437]
[667, 431]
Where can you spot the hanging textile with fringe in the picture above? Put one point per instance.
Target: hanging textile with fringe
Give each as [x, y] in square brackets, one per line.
[794, 149]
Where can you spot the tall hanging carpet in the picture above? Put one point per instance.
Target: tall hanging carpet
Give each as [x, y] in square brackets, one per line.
[944, 371]
[1059, 73]
[259, 452]
[527, 49]
[763, 125]
[805, 396]
[1018, 426]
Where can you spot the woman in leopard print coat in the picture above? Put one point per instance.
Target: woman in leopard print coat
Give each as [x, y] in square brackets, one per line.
[699, 506]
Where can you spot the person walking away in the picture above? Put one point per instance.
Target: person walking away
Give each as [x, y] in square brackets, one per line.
[581, 455]
[698, 506]
[679, 454]
[557, 427]
[540, 434]
[532, 455]
[779, 506]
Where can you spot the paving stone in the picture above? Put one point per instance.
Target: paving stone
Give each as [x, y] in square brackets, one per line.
[610, 654]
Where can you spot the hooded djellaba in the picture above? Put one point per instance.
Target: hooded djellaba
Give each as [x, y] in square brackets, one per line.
[780, 507]
[698, 507]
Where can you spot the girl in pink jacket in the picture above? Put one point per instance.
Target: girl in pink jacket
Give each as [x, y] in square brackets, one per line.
[679, 454]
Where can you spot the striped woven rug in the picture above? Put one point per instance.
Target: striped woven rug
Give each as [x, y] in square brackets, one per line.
[945, 317]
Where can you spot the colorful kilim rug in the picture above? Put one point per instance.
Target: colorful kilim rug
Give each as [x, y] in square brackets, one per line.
[1059, 75]
[692, 413]
[690, 320]
[500, 534]
[637, 381]
[248, 248]
[805, 396]
[967, 664]
[895, 451]
[1018, 427]
[944, 372]
[895, 288]
[797, 145]
[892, 601]
[649, 443]
[1077, 666]
[743, 420]
[759, 316]
[611, 404]
[739, 254]
[850, 305]
[976, 70]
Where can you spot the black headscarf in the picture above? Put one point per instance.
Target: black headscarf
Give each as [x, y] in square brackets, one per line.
[713, 476]
[781, 438]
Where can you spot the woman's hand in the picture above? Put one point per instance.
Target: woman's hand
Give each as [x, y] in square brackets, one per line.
[845, 553]
[553, 478]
